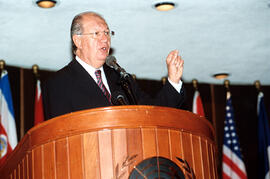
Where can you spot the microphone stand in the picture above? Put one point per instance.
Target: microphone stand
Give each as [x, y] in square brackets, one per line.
[125, 81]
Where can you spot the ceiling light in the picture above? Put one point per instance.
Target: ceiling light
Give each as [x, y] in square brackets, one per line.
[46, 3]
[164, 6]
[221, 76]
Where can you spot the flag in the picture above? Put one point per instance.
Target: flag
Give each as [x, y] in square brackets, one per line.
[197, 107]
[232, 163]
[39, 115]
[264, 139]
[8, 134]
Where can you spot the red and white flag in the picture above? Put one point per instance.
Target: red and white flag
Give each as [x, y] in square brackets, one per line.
[8, 134]
[197, 107]
[39, 115]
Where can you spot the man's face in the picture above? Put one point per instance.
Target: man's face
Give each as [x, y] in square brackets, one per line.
[94, 49]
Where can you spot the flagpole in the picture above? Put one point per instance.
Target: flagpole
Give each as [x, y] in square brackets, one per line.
[35, 71]
[195, 84]
[21, 103]
[38, 108]
[2, 66]
[163, 80]
[258, 85]
[227, 84]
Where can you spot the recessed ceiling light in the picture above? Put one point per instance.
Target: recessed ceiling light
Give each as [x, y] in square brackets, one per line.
[221, 76]
[164, 6]
[46, 3]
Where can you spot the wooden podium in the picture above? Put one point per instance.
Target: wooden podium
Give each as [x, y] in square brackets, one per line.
[117, 142]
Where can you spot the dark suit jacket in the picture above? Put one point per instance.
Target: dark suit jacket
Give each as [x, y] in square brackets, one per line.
[72, 89]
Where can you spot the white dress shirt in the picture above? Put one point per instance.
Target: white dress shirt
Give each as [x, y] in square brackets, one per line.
[91, 70]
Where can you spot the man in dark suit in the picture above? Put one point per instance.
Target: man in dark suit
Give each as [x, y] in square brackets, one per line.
[87, 82]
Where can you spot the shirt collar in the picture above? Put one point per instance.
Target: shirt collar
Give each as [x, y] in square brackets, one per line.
[91, 70]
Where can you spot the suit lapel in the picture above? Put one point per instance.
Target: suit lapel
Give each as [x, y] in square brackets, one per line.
[86, 85]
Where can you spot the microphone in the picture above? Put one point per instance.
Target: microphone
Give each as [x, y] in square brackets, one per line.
[118, 98]
[125, 82]
[111, 62]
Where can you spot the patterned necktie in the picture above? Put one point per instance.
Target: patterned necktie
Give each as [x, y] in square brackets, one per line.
[102, 86]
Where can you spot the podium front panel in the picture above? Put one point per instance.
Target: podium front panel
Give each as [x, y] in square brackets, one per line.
[105, 150]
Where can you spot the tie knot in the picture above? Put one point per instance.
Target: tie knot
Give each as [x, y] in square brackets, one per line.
[98, 74]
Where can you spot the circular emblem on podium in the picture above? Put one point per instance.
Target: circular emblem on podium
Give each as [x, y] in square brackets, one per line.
[3, 145]
[157, 168]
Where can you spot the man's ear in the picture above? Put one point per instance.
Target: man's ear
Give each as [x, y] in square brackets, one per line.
[77, 41]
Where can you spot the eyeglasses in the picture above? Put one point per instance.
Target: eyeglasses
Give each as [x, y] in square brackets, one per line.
[98, 35]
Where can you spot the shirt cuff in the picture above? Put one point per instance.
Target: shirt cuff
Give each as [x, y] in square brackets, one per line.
[177, 86]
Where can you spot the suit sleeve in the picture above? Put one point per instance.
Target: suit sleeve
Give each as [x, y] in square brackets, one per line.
[167, 96]
[55, 99]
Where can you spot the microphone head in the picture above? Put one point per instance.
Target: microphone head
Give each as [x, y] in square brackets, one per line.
[110, 61]
[118, 98]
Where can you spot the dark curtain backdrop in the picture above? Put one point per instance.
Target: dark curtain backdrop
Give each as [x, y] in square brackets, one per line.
[244, 100]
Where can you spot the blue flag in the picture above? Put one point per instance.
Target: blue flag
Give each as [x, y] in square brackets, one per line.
[8, 135]
[264, 139]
